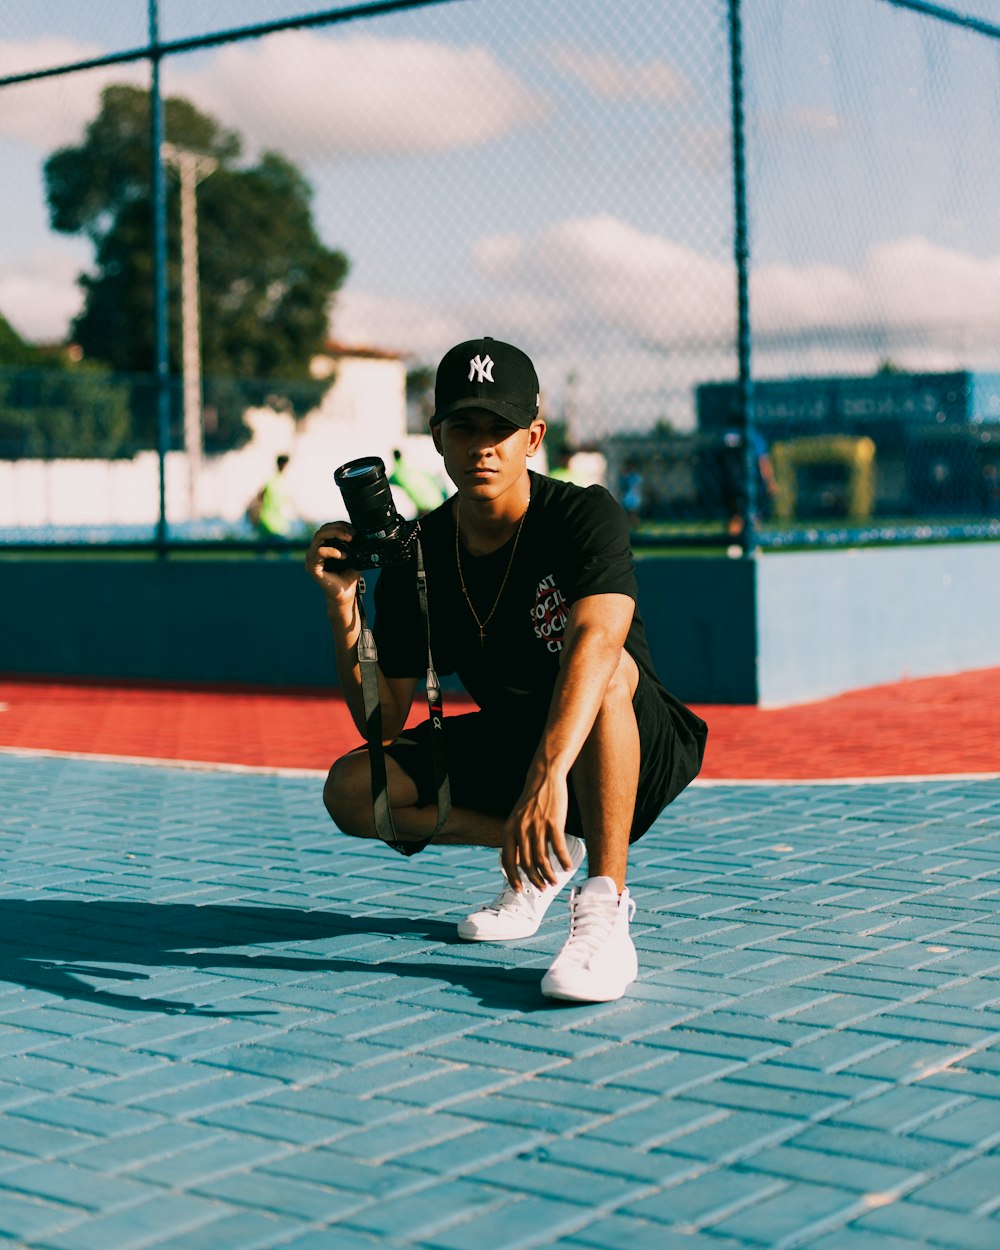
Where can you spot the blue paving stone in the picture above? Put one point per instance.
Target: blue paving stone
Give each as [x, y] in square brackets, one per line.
[617, 1231]
[249, 1230]
[61, 1182]
[971, 1188]
[520, 1223]
[732, 1136]
[284, 1195]
[424, 1215]
[674, 1074]
[156, 1219]
[24, 1219]
[800, 1210]
[913, 1223]
[706, 1200]
[485, 1144]
[250, 1034]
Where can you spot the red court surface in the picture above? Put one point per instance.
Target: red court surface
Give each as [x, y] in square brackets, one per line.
[937, 726]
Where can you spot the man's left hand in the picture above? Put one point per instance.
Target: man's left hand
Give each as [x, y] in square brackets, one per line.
[535, 834]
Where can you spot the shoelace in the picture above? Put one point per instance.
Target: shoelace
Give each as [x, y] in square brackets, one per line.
[591, 924]
[508, 896]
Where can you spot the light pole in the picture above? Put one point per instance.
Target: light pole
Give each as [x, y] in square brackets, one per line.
[192, 168]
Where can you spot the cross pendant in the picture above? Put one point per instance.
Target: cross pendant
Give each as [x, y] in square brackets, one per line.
[482, 636]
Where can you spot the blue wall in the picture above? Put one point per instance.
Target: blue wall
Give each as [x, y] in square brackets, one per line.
[831, 621]
[781, 628]
[261, 622]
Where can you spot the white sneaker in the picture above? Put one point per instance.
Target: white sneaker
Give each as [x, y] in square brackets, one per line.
[598, 960]
[514, 914]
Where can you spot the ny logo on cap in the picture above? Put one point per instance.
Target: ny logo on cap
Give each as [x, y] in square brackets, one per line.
[481, 369]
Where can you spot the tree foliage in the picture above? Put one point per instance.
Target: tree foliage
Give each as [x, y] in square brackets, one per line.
[13, 349]
[266, 278]
[66, 412]
[51, 406]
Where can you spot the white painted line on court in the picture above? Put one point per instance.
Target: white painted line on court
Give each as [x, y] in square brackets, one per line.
[149, 761]
[264, 770]
[902, 778]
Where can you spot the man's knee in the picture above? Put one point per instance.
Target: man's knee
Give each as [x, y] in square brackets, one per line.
[347, 795]
[624, 681]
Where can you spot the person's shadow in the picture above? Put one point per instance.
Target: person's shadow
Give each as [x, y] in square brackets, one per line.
[56, 944]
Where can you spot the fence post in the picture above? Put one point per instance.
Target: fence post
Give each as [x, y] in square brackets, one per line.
[159, 226]
[741, 250]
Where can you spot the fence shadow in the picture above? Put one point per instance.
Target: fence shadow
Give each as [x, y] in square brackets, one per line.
[55, 945]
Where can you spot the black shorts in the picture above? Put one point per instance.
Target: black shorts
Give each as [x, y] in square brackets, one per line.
[489, 756]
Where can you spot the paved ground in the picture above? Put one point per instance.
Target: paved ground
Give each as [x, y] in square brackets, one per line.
[224, 1026]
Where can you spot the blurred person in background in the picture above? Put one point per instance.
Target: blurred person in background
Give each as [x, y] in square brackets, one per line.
[419, 487]
[631, 493]
[576, 747]
[272, 512]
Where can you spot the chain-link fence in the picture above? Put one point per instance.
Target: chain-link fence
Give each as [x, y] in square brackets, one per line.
[567, 176]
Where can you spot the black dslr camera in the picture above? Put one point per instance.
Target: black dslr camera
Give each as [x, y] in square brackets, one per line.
[382, 537]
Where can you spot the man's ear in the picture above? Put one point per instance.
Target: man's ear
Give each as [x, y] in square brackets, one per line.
[436, 436]
[536, 432]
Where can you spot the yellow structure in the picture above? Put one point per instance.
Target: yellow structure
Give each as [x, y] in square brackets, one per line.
[856, 454]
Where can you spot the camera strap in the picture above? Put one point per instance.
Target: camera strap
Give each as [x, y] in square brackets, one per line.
[368, 662]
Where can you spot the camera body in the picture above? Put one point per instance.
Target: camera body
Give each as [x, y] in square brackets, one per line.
[382, 538]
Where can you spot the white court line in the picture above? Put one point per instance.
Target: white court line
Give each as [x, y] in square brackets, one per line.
[264, 770]
[902, 778]
[150, 761]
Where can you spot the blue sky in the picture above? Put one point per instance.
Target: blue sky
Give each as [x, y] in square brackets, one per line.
[558, 173]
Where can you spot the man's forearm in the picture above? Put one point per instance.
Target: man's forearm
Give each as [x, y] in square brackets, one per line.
[580, 689]
[345, 626]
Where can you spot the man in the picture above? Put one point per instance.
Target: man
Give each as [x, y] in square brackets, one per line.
[576, 747]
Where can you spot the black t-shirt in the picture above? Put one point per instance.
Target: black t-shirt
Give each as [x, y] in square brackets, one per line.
[574, 542]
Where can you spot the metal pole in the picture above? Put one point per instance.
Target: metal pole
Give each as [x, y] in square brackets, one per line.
[159, 198]
[741, 250]
[192, 168]
[302, 21]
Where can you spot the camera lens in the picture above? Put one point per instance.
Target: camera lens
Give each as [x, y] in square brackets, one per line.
[367, 496]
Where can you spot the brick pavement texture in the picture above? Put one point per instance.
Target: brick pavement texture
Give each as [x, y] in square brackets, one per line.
[225, 1027]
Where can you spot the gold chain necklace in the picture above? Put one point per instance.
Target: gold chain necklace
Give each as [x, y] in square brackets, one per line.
[461, 580]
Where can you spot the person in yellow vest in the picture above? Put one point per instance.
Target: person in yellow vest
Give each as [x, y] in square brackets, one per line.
[419, 487]
[272, 512]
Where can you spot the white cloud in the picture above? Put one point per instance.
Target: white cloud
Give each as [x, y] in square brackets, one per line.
[905, 284]
[819, 123]
[705, 149]
[415, 329]
[315, 97]
[40, 297]
[304, 94]
[52, 112]
[602, 271]
[611, 78]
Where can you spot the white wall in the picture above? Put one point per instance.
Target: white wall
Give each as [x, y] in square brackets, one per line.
[362, 414]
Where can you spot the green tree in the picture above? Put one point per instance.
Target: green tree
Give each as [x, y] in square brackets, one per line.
[266, 278]
[51, 406]
[13, 349]
[58, 411]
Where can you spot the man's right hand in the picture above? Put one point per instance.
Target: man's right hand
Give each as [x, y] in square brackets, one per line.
[339, 585]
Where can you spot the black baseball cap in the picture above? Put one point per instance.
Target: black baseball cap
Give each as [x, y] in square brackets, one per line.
[485, 373]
